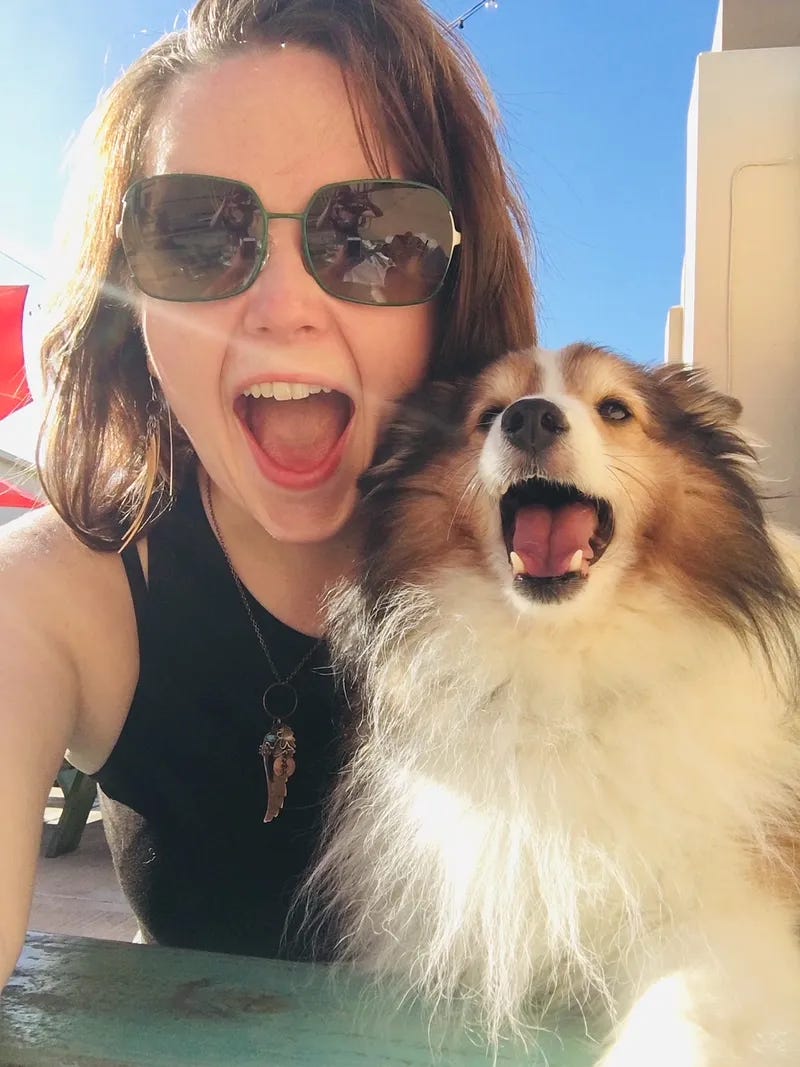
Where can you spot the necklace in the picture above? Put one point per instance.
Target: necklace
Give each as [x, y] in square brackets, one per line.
[279, 747]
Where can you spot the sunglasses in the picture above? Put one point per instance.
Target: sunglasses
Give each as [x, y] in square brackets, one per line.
[194, 237]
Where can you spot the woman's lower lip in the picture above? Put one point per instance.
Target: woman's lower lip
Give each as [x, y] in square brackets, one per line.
[289, 479]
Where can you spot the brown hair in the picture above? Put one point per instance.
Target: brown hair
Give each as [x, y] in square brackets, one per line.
[419, 86]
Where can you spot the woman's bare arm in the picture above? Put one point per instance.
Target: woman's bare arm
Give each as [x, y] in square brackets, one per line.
[68, 660]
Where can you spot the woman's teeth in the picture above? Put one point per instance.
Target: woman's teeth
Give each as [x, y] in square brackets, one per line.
[284, 390]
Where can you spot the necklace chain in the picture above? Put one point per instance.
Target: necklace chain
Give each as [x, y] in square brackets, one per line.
[243, 597]
[278, 750]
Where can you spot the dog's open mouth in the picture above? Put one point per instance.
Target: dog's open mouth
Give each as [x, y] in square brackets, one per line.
[553, 534]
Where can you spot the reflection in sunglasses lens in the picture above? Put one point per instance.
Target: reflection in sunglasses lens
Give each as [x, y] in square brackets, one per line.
[194, 237]
[379, 242]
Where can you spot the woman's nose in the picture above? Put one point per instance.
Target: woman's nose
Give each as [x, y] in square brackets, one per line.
[285, 298]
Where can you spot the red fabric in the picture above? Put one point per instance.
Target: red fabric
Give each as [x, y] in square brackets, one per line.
[11, 497]
[14, 391]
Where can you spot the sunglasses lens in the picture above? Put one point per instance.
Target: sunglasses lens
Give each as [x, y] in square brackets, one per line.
[192, 237]
[380, 242]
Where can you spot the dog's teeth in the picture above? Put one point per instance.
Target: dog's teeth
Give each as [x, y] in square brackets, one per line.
[576, 563]
[516, 563]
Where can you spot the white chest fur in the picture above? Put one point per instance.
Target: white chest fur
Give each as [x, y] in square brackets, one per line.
[527, 801]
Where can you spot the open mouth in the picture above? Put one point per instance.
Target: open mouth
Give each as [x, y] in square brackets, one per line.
[298, 428]
[553, 535]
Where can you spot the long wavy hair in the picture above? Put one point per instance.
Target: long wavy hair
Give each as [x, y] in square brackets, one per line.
[409, 78]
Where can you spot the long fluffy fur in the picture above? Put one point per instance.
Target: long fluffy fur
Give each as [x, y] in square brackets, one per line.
[591, 803]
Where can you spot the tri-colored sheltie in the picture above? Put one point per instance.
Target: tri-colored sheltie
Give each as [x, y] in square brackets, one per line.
[576, 775]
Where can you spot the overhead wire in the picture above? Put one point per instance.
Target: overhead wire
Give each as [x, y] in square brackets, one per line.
[458, 23]
[19, 263]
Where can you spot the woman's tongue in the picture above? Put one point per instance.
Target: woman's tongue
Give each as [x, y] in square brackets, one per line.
[298, 435]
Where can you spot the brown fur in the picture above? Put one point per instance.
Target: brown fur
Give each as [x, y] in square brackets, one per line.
[619, 704]
[683, 463]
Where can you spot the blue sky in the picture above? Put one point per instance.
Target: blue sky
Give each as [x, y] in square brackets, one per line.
[594, 94]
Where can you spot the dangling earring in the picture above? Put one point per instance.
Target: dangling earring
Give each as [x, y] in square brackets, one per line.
[154, 409]
[156, 406]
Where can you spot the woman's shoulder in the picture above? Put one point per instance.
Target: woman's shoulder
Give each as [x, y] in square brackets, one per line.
[74, 601]
[40, 548]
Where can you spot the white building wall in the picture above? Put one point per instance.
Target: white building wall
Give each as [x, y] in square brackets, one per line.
[740, 310]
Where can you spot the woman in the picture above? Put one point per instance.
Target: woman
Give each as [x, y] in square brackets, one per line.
[214, 397]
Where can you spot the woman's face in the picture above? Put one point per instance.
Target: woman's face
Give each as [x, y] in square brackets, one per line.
[280, 121]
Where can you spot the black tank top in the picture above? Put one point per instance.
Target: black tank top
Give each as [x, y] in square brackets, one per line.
[183, 792]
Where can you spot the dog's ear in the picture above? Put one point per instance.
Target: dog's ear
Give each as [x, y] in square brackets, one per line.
[425, 423]
[692, 391]
[690, 408]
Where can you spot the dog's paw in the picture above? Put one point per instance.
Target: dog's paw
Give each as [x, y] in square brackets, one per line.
[653, 1053]
[659, 1031]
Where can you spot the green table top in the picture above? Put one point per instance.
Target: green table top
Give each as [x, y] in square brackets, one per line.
[77, 1002]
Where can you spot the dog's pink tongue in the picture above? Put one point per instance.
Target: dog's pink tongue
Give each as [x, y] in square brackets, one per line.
[299, 435]
[546, 540]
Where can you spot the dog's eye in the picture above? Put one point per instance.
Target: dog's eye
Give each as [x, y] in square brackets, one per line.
[487, 418]
[614, 410]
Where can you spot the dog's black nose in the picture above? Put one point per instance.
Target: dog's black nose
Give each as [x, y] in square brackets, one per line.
[533, 424]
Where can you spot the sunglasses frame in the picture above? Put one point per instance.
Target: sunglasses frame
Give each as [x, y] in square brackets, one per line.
[301, 217]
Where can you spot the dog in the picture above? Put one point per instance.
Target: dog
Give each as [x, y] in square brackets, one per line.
[575, 775]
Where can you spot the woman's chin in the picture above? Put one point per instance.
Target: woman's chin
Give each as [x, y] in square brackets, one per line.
[309, 518]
